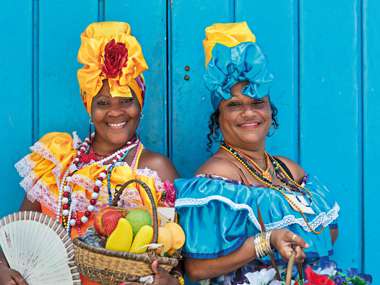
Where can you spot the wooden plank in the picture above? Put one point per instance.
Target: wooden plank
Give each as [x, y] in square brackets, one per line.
[60, 105]
[190, 98]
[16, 95]
[371, 104]
[330, 90]
[279, 41]
[148, 24]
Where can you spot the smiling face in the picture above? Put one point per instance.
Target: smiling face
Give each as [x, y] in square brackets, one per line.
[245, 122]
[115, 118]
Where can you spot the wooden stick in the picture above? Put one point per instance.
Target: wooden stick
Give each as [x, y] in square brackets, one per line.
[289, 269]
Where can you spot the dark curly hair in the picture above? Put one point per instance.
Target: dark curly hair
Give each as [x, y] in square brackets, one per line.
[213, 125]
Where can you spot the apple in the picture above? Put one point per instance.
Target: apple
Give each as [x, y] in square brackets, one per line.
[105, 221]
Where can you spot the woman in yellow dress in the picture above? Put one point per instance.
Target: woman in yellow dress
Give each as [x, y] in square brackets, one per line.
[69, 179]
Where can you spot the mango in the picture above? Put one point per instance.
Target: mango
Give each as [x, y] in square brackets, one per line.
[143, 237]
[177, 233]
[138, 218]
[121, 238]
[164, 238]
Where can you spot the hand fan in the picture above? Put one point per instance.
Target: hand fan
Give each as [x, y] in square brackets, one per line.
[39, 248]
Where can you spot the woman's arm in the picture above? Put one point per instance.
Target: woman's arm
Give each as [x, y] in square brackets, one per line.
[284, 241]
[199, 269]
[30, 206]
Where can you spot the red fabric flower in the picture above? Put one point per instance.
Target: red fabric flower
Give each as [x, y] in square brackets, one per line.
[115, 58]
[170, 194]
[316, 279]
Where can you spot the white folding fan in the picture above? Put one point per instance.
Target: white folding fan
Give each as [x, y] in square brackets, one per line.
[39, 248]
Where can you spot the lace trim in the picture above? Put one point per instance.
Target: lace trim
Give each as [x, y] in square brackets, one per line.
[76, 140]
[186, 202]
[42, 150]
[153, 174]
[38, 192]
[24, 166]
[322, 219]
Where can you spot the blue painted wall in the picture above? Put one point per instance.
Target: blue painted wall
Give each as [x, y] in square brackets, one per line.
[323, 54]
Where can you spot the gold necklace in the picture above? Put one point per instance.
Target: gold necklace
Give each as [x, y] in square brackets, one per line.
[265, 173]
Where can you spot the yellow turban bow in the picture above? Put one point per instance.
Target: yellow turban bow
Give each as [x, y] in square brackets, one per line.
[108, 51]
[227, 34]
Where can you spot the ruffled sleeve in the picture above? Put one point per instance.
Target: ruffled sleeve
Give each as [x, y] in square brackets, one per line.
[219, 215]
[41, 169]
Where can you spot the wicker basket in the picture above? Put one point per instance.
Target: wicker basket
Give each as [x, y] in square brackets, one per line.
[112, 267]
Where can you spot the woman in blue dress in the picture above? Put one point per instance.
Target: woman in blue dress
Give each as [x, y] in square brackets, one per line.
[244, 202]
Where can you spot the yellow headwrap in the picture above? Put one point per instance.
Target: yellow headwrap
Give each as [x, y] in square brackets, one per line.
[108, 51]
[229, 34]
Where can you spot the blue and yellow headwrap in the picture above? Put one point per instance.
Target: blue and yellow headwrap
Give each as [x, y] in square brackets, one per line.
[233, 56]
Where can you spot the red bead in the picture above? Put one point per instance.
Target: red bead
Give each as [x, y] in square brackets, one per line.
[92, 201]
[87, 213]
[96, 189]
[65, 206]
[66, 194]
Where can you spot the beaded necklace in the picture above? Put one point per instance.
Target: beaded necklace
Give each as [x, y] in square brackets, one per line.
[264, 172]
[65, 205]
[266, 182]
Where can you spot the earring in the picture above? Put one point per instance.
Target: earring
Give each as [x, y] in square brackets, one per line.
[141, 115]
[90, 128]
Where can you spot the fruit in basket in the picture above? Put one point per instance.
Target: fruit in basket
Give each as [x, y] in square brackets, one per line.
[178, 235]
[106, 220]
[138, 218]
[143, 237]
[164, 238]
[121, 238]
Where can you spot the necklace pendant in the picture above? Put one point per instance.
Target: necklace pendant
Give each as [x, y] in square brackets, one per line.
[267, 175]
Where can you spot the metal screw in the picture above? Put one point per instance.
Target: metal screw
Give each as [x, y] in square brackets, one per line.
[186, 77]
[187, 68]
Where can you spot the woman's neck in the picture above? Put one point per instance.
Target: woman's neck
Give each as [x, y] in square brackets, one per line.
[257, 154]
[104, 149]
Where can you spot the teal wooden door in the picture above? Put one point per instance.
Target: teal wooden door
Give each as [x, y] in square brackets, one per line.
[323, 55]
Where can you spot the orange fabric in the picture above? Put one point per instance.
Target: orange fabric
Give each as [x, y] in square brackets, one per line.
[92, 54]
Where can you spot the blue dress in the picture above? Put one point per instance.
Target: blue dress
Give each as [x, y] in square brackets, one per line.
[218, 215]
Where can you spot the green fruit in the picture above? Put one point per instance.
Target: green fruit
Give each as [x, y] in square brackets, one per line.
[138, 218]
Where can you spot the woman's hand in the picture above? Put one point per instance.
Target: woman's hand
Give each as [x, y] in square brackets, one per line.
[161, 276]
[287, 242]
[10, 277]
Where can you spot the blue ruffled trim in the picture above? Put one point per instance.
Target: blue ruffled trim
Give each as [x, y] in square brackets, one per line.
[230, 65]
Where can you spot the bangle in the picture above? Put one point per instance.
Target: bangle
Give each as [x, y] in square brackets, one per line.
[262, 244]
[181, 281]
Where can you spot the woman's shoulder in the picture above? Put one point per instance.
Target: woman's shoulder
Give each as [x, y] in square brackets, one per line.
[295, 169]
[219, 165]
[159, 163]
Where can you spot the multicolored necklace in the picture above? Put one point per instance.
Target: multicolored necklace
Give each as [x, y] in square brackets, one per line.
[266, 173]
[264, 181]
[65, 204]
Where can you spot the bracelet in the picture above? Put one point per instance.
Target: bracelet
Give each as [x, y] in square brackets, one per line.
[262, 244]
[181, 281]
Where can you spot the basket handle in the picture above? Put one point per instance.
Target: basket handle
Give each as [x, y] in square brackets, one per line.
[119, 190]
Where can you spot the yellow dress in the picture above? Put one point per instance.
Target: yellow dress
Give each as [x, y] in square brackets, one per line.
[43, 169]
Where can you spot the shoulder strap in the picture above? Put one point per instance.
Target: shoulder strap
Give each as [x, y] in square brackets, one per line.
[283, 165]
[136, 159]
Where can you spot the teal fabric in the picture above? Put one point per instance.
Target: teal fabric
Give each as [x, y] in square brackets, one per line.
[228, 66]
[219, 215]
